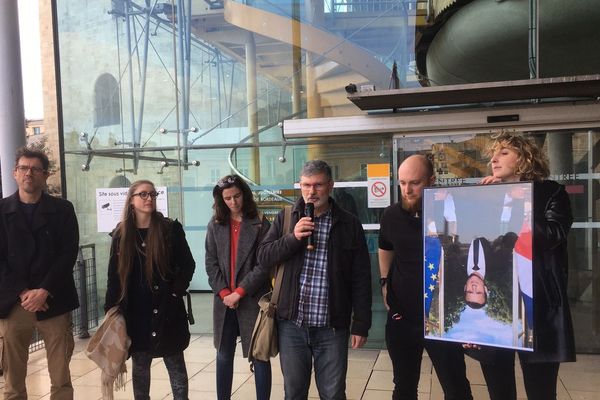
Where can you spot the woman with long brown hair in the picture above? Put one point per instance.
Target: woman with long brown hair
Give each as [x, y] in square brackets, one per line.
[149, 271]
[236, 278]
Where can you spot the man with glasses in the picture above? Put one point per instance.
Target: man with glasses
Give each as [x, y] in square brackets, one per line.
[39, 239]
[325, 296]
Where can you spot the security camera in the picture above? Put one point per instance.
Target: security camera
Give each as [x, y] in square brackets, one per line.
[85, 167]
[163, 130]
[195, 163]
[193, 129]
[164, 164]
[282, 159]
[351, 88]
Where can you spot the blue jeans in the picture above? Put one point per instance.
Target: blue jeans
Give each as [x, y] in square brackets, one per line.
[225, 355]
[298, 347]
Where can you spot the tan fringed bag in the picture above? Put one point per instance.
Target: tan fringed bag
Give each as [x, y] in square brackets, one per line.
[109, 348]
[264, 342]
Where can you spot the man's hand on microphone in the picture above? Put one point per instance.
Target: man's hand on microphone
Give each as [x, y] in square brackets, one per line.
[304, 228]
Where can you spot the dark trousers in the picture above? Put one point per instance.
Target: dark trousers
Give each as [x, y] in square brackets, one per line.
[539, 378]
[405, 345]
[499, 373]
[176, 368]
[225, 357]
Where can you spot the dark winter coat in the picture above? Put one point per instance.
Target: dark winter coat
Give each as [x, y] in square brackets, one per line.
[348, 269]
[169, 332]
[553, 328]
[553, 340]
[38, 255]
[249, 274]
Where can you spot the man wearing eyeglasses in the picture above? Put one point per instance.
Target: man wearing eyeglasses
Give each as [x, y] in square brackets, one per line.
[39, 239]
[325, 296]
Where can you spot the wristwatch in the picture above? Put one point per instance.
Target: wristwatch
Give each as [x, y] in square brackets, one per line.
[383, 281]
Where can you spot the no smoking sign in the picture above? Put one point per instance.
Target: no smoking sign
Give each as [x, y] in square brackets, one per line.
[378, 189]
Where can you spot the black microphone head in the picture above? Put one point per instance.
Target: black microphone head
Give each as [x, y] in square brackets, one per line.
[309, 210]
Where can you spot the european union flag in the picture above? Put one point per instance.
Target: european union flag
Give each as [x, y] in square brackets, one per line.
[431, 268]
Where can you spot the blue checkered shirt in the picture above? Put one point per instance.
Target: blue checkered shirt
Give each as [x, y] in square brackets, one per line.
[313, 302]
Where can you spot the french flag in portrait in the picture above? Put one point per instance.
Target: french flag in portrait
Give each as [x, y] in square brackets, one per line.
[433, 257]
[523, 262]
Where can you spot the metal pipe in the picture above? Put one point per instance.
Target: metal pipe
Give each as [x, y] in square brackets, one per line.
[181, 87]
[121, 114]
[188, 60]
[144, 67]
[12, 114]
[533, 41]
[118, 153]
[180, 26]
[130, 66]
[219, 83]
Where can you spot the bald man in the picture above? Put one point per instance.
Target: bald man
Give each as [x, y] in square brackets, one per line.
[401, 267]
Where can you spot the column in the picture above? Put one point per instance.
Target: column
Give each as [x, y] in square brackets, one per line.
[252, 99]
[12, 114]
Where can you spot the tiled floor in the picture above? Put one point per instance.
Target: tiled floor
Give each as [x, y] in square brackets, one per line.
[369, 377]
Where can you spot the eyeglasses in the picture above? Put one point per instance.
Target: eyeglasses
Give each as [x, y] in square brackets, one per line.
[228, 180]
[317, 186]
[23, 169]
[145, 195]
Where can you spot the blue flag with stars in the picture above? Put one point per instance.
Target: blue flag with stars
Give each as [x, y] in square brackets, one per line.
[433, 255]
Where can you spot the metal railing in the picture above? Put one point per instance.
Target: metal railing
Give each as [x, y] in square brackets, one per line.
[346, 6]
[86, 316]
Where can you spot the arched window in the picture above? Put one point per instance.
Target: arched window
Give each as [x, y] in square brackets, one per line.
[106, 101]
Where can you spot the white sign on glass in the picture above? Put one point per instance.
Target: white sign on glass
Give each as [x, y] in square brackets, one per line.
[111, 201]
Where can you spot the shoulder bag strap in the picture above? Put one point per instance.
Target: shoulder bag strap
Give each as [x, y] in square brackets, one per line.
[287, 216]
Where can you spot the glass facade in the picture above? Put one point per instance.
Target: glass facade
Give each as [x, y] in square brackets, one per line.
[186, 94]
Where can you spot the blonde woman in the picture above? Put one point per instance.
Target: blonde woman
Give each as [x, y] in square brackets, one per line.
[515, 158]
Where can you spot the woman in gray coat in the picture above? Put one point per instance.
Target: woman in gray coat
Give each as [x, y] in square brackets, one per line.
[237, 280]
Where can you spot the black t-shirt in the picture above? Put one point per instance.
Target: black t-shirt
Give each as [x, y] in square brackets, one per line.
[28, 210]
[402, 233]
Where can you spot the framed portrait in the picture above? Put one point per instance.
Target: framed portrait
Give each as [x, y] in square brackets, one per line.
[477, 266]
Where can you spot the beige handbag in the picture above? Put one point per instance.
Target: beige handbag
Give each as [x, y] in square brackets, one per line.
[263, 344]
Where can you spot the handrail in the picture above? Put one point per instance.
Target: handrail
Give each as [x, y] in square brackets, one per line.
[263, 129]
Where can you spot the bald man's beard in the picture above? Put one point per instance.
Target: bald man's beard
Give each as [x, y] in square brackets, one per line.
[411, 207]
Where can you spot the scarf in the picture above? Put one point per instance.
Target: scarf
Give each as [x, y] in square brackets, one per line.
[109, 348]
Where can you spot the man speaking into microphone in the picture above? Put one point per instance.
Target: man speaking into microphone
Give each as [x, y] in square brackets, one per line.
[325, 296]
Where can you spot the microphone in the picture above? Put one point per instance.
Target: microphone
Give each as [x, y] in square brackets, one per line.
[309, 211]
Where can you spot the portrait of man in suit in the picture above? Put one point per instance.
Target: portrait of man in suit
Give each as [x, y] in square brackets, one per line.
[477, 295]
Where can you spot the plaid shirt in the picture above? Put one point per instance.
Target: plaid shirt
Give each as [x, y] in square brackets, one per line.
[313, 303]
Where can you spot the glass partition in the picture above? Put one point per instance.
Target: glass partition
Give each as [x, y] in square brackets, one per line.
[186, 94]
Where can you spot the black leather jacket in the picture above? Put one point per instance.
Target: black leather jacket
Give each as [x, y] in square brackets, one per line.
[348, 263]
[553, 328]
